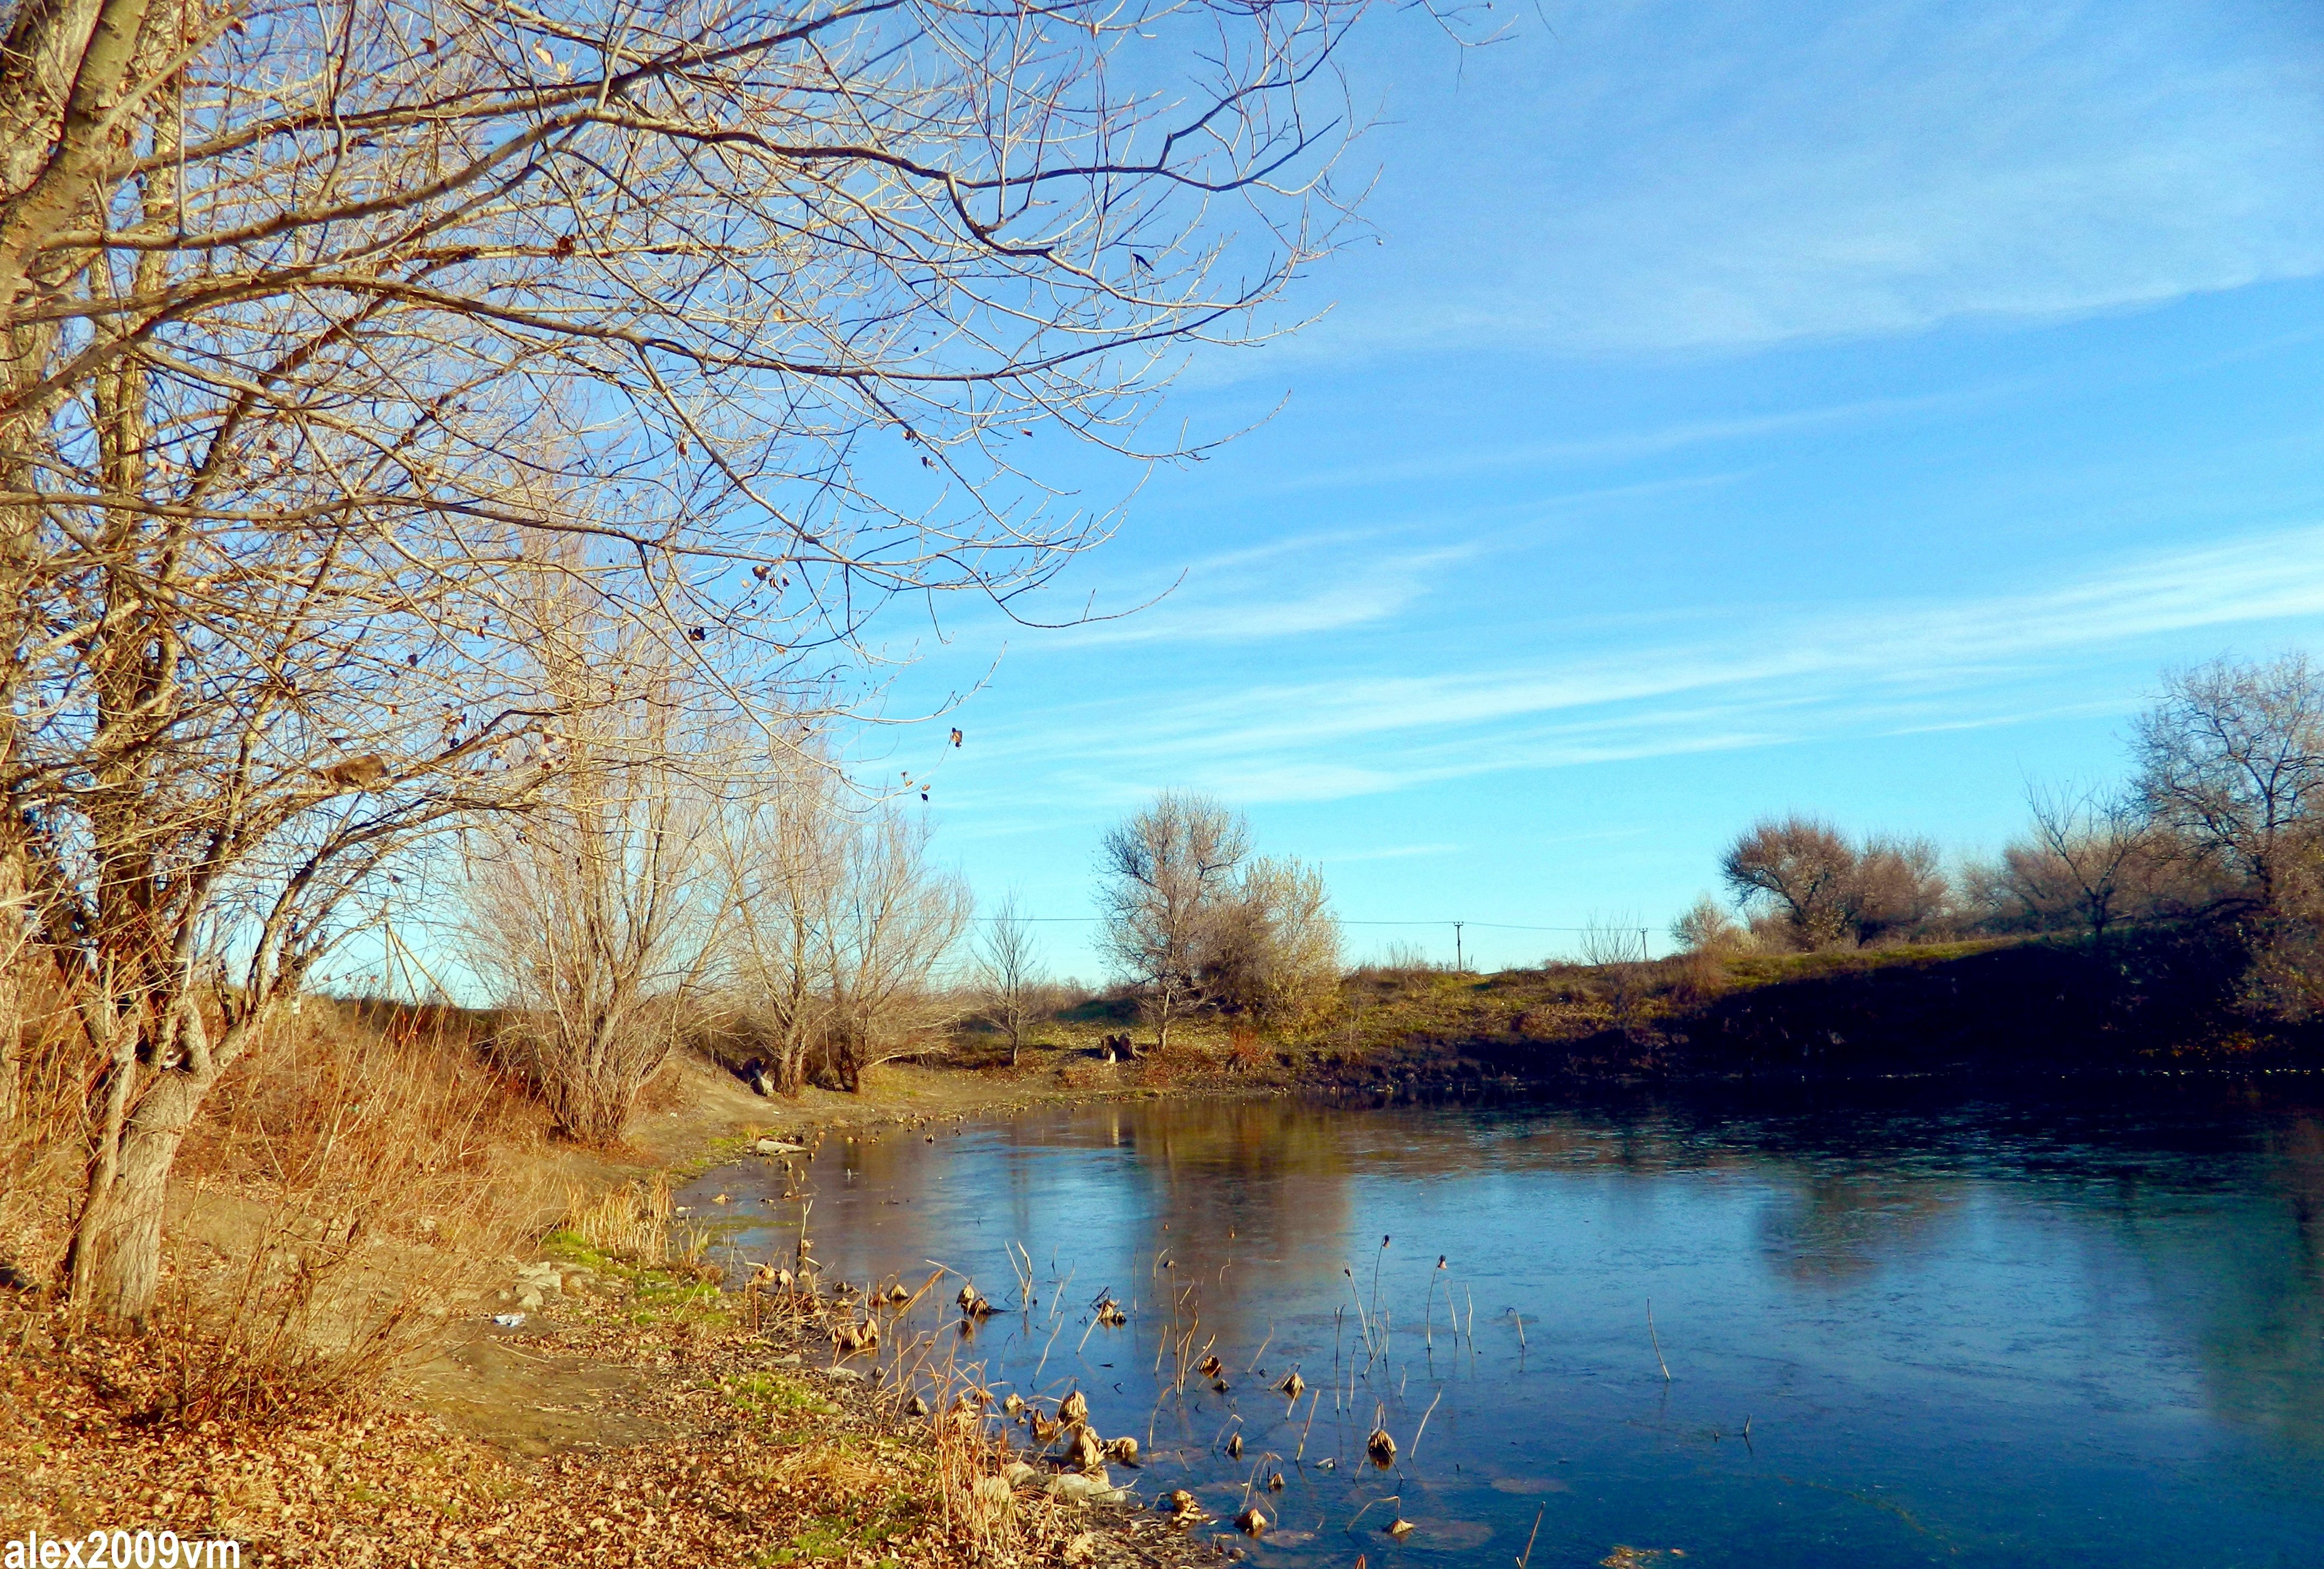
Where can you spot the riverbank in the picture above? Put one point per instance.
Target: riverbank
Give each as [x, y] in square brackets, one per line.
[677, 1434]
[2162, 1000]
[632, 1408]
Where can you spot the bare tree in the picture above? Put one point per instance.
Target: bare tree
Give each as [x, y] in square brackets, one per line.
[329, 324]
[2231, 762]
[1825, 889]
[787, 849]
[594, 913]
[1800, 865]
[1008, 973]
[2094, 848]
[895, 920]
[1165, 877]
[1897, 888]
[838, 925]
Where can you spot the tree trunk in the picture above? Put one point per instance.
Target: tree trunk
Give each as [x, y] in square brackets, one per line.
[117, 1244]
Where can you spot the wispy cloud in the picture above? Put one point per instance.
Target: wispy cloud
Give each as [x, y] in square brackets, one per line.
[1891, 667]
[1227, 599]
[1626, 447]
[1696, 178]
[1386, 852]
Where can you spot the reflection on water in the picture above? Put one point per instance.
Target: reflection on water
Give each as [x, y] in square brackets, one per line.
[1986, 1332]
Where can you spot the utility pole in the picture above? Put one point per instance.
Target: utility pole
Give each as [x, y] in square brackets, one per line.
[1459, 967]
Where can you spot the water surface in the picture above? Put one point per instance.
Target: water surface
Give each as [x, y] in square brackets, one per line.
[1986, 1332]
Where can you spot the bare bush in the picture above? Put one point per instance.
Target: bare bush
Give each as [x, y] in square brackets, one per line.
[1275, 947]
[1403, 958]
[895, 919]
[1897, 889]
[594, 913]
[786, 849]
[839, 927]
[1615, 946]
[1706, 928]
[1613, 941]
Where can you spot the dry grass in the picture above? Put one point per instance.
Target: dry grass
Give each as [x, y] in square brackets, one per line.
[349, 1191]
[43, 1148]
[349, 1185]
[631, 1222]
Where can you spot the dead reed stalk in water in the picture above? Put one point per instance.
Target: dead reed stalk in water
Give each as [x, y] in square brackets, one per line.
[1363, 1320]
[1045, 1352]
[1657, 1340]
[1425, 1416]
[1526, 1558]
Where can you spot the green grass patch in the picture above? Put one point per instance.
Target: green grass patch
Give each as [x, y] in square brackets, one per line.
[771, 1395]
[825, 1538]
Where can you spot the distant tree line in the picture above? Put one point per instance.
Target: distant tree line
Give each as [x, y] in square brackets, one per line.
[2221, 822]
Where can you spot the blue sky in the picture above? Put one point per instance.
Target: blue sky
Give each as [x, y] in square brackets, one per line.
[1841, 407]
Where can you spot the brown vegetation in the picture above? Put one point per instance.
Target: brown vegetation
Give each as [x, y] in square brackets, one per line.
[1193, 922]
[1823, 889]
[2218, 836]
[356, 1192]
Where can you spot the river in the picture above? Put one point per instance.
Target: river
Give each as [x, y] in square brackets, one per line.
[1888, 1326]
